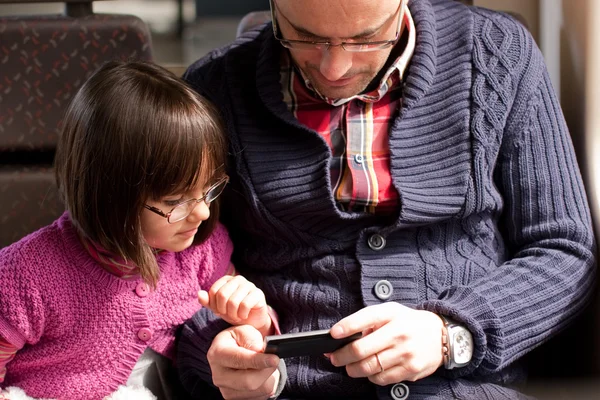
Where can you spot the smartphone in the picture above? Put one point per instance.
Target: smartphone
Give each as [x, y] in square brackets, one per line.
[305, 343]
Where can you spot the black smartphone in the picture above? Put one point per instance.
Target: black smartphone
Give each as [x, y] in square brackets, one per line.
[305, 343]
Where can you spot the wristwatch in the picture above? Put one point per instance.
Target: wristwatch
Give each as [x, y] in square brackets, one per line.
[457, 344]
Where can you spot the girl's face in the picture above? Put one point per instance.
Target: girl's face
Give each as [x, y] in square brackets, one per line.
[160, 234]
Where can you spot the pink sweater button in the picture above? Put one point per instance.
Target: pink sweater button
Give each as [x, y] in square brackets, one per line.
[145, 334]
[142, 289]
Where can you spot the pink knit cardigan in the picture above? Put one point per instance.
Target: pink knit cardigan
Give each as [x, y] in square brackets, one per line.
[82, 328]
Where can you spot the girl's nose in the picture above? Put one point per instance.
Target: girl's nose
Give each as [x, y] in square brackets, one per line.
[201, 212]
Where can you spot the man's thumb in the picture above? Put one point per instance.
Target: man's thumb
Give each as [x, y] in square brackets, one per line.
[249, 338]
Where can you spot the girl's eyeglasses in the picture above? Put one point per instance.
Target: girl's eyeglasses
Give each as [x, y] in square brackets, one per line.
[182, 210]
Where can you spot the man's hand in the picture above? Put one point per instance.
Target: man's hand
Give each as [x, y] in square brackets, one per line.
[239, 302]
[398, 344]
[239, 367]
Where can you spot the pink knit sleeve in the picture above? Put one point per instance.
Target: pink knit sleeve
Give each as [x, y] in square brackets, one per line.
[22, 311]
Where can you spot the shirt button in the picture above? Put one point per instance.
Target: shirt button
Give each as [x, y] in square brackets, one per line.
[383, 289]
[142, 289]
[376, 242]
[145, 334]
[400, 391]
[358, 158]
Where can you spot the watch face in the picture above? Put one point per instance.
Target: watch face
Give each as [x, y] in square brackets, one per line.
[462, 350]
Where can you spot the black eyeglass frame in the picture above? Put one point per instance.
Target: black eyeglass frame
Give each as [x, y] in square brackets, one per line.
[353, 47]
[224, 180]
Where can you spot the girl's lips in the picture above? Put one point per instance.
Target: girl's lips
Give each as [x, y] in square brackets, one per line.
[189, 233]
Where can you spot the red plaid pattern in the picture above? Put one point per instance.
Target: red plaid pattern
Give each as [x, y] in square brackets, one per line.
[7, 353]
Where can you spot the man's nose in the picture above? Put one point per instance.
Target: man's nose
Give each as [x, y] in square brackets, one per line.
[336, 62]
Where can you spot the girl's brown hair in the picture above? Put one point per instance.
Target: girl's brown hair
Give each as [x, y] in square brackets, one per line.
[134, 132]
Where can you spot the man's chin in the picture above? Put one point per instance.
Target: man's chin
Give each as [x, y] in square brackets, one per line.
[340, 92]
[341, 89]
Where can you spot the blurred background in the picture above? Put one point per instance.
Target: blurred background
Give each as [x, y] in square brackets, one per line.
[184, 30]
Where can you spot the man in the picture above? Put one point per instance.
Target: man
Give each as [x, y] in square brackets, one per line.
[403, 171]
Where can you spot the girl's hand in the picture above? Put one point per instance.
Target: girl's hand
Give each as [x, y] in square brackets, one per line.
[238, 301]
[398, 344]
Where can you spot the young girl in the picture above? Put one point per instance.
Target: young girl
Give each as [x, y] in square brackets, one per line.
[92, 302]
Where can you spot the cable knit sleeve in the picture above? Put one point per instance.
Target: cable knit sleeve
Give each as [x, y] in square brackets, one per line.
[550, 274]
[22, 315]
[197, 335]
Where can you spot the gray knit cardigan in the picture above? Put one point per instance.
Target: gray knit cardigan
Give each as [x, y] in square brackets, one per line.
[493, 227]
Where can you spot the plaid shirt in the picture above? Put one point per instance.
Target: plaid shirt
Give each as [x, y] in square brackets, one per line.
[356, 129]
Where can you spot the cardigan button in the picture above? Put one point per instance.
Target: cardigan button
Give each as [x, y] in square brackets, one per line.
[376, 242]
[142, 289]
[383, 289]
[399, 391]
[144, 334]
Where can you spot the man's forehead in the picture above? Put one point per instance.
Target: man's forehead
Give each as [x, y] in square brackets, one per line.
[337, 18]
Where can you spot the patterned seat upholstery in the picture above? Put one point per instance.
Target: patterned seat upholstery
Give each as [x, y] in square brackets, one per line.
[43, 62]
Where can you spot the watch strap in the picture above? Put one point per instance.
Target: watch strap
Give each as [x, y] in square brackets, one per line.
[445, 345]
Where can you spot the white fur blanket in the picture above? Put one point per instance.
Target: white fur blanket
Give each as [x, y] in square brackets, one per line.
[123, 393]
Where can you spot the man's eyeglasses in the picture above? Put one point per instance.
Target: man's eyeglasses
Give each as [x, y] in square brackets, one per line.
[355, 47]
[182, 210]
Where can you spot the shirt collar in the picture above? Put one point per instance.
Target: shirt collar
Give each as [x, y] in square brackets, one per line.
[122, 268]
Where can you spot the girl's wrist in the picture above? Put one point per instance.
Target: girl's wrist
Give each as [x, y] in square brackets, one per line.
[267, 328]
[272, 325]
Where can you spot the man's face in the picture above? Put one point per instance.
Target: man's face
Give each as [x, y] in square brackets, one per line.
[336, 73]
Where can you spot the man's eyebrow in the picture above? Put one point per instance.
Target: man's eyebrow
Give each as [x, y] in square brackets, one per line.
[305, 32]
[366, 33]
